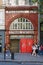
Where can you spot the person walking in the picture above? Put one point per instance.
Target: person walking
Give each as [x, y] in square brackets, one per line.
[34, 50]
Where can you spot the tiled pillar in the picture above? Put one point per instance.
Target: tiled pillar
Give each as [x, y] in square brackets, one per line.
[7, 39]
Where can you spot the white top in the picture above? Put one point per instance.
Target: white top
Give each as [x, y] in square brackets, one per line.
[34, 47]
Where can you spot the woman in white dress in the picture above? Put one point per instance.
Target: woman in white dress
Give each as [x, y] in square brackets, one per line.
[34, 49]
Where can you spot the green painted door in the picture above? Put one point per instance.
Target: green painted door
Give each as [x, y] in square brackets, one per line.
[14, 45]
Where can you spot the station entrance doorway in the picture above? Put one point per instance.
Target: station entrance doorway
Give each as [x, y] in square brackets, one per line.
[21, 43]
[21, 31]
[14, 45]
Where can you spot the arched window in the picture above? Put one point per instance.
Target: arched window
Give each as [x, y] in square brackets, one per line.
[21, 24]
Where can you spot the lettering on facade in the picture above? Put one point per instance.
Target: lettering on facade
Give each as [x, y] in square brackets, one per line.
[20, 36]
[21, 32]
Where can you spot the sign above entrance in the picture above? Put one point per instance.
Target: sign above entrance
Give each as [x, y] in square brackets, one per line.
[21, 32]
[20, 36]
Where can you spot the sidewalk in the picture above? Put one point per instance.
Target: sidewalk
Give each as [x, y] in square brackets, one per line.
[28, 57]
[23, 58]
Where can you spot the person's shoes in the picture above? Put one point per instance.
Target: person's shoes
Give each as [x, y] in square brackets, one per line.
[35, 55]
[32, 54]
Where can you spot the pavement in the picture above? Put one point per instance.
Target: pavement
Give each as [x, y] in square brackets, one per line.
[23, 59]
[27, 57]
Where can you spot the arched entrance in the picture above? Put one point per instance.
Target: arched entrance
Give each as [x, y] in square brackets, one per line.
[21, 31]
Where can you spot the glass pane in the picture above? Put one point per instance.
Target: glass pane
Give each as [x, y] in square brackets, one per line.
[17, 2]
[20, 20]
[19, 25]
[0, 43]
[27, 25]
[23, 20]
[30, 2]
[41, 27]
[27, 2]
[26, 20]
[0, 38]
[15, 25]
[31, 27]
[21, 2]
[0, 48]
[24, 25]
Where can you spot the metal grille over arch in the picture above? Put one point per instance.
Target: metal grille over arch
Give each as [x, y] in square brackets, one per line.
[21, 24]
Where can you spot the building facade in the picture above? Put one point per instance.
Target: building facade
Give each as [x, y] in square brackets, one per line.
[41, 21]
[19, 25]
[2, 30]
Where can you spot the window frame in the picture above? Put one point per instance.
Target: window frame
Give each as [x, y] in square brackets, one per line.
[23, 26]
